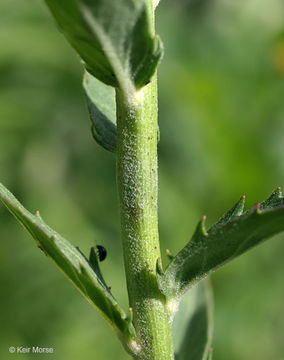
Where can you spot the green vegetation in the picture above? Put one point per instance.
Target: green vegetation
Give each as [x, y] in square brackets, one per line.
[229, 101]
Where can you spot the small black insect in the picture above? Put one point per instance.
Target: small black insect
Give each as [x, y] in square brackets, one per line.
[102, 253]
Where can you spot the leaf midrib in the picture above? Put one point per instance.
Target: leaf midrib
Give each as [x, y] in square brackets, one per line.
[122, 75]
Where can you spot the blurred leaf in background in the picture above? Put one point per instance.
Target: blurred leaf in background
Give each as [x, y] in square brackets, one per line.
[221, 117]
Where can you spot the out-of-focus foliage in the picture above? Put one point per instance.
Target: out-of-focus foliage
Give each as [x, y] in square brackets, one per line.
[193, 324]
[221, 86]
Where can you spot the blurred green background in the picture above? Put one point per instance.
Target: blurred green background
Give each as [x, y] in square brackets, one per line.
[221, 86]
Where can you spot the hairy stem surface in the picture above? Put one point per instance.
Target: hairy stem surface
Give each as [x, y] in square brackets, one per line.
[138, 185]
[137, 179]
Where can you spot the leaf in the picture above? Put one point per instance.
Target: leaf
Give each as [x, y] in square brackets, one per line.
[232, 235]
[84, 275]
[114, 39]
[102, 110]
[193, 324]
[156, 2]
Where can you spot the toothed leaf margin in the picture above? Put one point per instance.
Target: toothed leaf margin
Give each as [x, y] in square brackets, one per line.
[234, 234]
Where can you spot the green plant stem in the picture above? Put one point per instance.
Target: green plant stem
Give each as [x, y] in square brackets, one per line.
[137, 180]
[137, 185]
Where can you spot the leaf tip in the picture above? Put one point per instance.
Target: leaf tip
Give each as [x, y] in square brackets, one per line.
[92, 255]
[169, 254]
[239, 207]
[82, 268]
[201, 226]
[130, 316]
[93, 259]
[275, 199]
[277, 193]
[53, 237]
[159, 267]
[200, 230]
[37, 214]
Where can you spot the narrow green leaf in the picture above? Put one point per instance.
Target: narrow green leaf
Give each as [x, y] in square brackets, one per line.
[193, 324]
[114, 39]
[233, 235]
[84, 275]
[102, 110]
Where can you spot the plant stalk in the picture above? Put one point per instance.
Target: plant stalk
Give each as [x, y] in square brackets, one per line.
[137, 180]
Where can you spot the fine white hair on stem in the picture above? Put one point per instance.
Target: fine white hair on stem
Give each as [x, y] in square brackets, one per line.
[156, 2]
